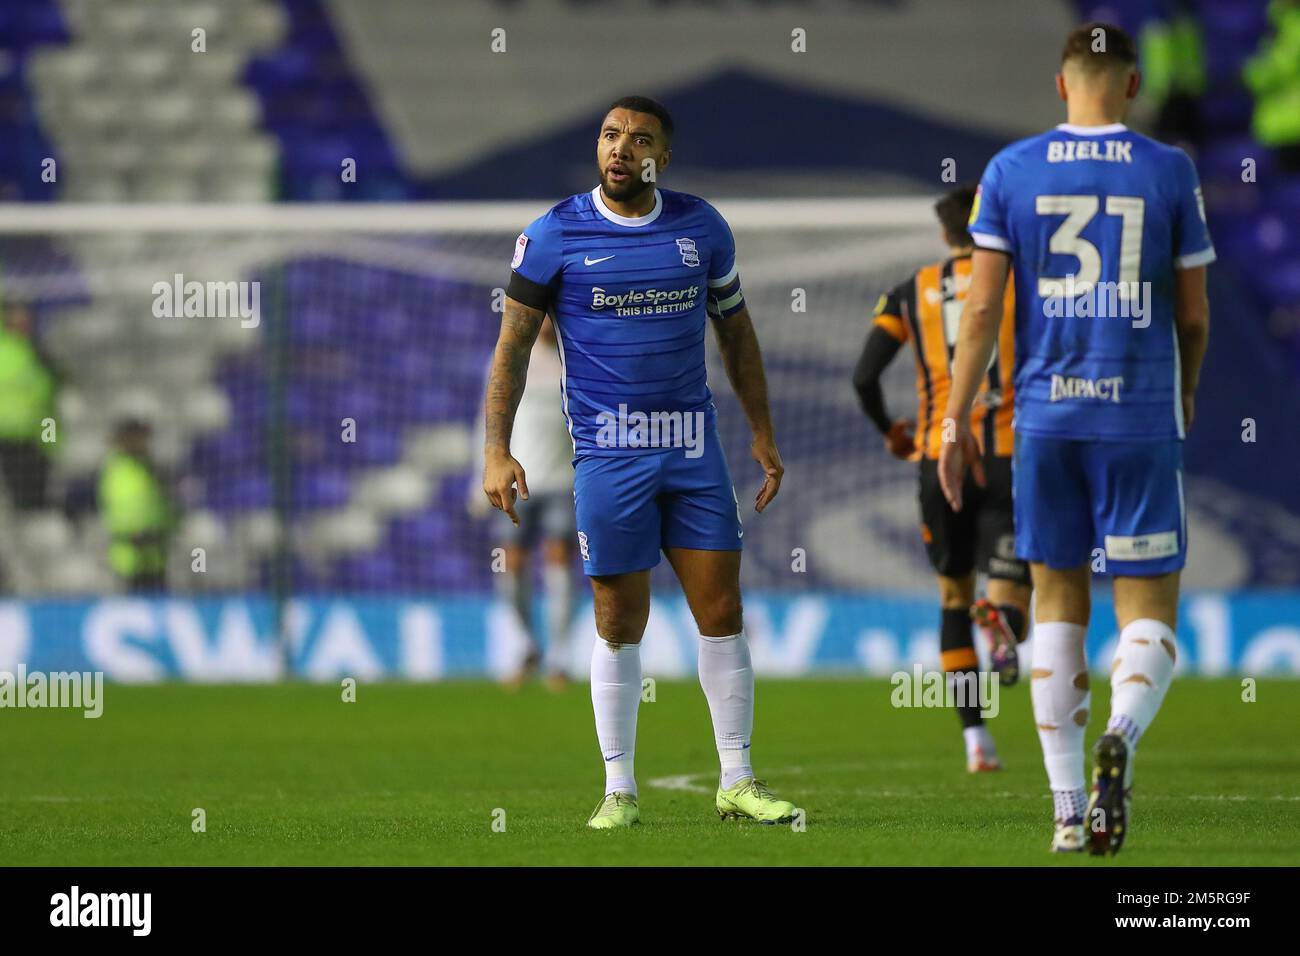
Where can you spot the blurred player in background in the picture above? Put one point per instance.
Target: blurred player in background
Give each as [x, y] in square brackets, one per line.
[136, 509]
[629, 272]
[28, 399]
[924, 310]
[542, 445]
[1107, 233]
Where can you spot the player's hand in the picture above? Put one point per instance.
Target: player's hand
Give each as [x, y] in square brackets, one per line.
[899, 439]
[764, 451]
[954, 458]
[500, 475]
[1189, 409]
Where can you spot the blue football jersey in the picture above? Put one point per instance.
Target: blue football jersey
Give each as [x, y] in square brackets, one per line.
[1096, 221]
[628, 297]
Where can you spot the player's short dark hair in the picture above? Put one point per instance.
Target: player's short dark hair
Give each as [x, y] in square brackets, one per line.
[643, 104]
[1097, 46]
[953, 211]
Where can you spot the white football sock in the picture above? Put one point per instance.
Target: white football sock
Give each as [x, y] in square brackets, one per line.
[559, 612]
[1061, 696]
[727, 676]
[615, 696]
[1142, 673]
[979, 738]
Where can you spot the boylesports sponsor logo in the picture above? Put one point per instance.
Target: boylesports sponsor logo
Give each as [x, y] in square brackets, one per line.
[1069, 387]
[645, 300]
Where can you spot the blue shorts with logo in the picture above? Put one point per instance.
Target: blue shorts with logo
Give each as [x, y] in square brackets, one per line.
[630, 507]
[1124, 497]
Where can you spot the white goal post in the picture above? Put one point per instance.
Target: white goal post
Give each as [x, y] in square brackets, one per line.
[385, 313]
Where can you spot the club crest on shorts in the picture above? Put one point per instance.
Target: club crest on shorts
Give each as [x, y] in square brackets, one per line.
[690, 255]
[582, 546]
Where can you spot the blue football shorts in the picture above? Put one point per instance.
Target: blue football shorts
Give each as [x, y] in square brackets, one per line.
[630, 507]
[1079, 500]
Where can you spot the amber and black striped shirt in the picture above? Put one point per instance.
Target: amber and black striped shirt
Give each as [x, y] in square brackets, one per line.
[926, 310]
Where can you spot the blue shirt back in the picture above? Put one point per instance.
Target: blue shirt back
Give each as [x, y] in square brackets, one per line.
[1096, 220]
[629, 298]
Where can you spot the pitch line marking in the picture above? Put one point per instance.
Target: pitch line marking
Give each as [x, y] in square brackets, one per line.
[683, 781]
[686, 781]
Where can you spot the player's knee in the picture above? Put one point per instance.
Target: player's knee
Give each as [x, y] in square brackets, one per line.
[616, 630]
[1064, 604]
[720, 615]
[621, 620]
[956, 593]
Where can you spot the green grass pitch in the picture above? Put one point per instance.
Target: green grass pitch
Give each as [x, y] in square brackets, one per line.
[416, 774]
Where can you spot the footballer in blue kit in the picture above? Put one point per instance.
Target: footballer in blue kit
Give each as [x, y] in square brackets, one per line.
[634, 277]
[631, 297]
[1106, 232]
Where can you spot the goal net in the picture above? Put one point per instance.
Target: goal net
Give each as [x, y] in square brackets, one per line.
[306, 381]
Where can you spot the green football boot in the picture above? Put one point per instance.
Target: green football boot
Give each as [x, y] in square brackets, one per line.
[615, 810]
[751, 800]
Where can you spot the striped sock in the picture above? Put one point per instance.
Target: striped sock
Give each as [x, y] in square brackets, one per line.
[1069, 806]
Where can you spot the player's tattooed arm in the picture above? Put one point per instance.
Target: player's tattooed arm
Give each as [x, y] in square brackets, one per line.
[1192, 320]
[743, 361]
[501, 472]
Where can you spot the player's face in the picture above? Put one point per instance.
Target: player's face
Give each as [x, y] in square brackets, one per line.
[630, 152]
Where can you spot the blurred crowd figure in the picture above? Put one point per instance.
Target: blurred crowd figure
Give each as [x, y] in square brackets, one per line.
[28, 390]
[547, 526]
[130, 494]
[135, 509]
[1171, 48]
[1273, 76]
